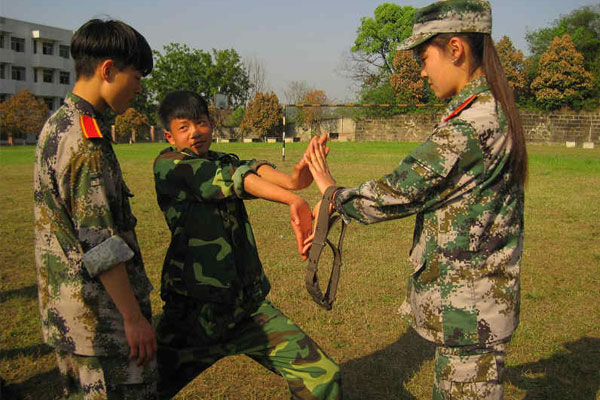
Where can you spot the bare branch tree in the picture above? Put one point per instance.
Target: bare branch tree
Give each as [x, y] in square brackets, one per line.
[257, 75]
[296, 91]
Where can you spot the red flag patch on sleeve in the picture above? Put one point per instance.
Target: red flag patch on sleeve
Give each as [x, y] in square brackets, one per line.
[90, 127]
[460, 108]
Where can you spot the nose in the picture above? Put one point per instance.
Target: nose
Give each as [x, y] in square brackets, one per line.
[423, 73]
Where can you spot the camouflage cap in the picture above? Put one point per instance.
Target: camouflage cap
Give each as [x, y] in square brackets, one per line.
[449, 16]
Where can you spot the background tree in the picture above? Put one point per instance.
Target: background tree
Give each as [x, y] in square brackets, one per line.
[257, 76]
[378, 36]
[583, 25]
[513, 64]
[263, 115]
[192, 69]
[372, 60]
[406, 81]
[146, 104]
[131, 126]
[311, 116]
[21, 114]
[382, 93]
[562, 80]
[296, 91]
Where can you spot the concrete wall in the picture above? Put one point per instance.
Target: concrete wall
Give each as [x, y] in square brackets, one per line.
[539, 127]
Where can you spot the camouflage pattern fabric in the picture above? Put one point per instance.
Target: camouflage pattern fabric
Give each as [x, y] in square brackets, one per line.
[110, 378]
[193, 335]
[469, 372]
[468, 236]
[449, 16]
[212, 255]
[83, 226]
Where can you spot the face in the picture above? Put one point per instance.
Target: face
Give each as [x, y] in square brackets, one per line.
[121, 88]
[441, 73]
[187, 134]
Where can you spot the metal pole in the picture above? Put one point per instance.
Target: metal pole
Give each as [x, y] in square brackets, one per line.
[283, 142]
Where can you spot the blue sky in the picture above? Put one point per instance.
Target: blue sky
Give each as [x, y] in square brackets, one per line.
[294, 40]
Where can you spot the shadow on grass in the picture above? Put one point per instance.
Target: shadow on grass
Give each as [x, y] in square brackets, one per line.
[382, 375]
[35, 351]
[27, 292]
[42, 386]
[571, 374]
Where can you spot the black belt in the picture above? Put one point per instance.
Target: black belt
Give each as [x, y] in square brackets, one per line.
[324, 224]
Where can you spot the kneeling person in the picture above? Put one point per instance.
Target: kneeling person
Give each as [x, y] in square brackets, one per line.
[213, 283]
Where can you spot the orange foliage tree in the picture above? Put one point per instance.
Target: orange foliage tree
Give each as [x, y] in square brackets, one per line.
[263, 115]
[406, 81]
[21, 114]
[513, 64]
[562, 79]
[312, 116]
[131, 125]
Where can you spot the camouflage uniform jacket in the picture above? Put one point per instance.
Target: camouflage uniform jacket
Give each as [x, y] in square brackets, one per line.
[83, 227]
[468, 236]
[212, 256]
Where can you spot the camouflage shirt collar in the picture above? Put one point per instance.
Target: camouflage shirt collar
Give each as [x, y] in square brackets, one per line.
[81, 105]
[473, 87]
[211, 155]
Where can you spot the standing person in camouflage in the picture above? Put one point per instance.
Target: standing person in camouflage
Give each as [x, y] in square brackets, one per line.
[93, 289]
[465, 184]
[213, 283]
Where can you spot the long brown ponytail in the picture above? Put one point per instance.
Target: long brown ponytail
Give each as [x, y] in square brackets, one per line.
[484, 54]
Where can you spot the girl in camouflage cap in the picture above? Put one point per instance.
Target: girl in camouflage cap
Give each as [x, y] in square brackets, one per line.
[466, 186]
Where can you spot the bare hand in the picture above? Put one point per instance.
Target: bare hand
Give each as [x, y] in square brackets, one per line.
[141, 339]
[301, 177]
[315, 214]
[315, 157]
[301, 220]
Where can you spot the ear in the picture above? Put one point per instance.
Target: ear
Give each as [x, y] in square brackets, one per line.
[456, 49]
[107, 70]
[169, 137]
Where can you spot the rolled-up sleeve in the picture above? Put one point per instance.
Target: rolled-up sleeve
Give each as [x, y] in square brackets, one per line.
[93, 195]
[106, 255]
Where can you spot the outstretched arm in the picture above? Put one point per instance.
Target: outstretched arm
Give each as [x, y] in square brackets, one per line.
[300, 213]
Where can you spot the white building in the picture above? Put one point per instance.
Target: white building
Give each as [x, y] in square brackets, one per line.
[35, 57]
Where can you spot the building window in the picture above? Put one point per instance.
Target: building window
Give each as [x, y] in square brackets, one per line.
[18, 73]
[17, 44]
[3, 97]
[2, 71]
[48, 76]
[49, 103]
[64, 78]
[34, 46]
[47, 48]
[62, 101]
[1, 40]
[63, 51]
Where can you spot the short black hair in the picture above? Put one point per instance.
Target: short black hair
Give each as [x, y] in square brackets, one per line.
[182, 104]
[99, 40]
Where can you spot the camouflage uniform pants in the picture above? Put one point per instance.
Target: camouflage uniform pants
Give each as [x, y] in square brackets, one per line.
[469, 372]
[110, 378]
[192, 336]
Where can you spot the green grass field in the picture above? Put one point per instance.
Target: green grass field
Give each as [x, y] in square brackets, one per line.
[555, 353]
